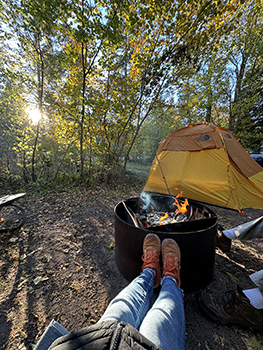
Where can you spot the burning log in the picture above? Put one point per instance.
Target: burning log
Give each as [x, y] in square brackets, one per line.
[154, 218]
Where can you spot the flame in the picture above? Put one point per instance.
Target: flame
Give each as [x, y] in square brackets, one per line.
[179, 195]
[162, 218]
[182, 204]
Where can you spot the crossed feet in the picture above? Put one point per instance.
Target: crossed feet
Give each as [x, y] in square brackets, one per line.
[171, 257]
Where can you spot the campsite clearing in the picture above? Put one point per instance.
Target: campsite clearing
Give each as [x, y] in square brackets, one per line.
[61, 265]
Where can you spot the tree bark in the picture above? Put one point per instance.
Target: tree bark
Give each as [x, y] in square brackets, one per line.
[40, 76]
[234, 115]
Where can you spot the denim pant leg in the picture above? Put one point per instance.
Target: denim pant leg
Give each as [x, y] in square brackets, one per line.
[133, 302]
[164, 324]
[53, 331]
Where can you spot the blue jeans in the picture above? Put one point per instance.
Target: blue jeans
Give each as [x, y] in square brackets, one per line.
[163, 323]
[53, 331]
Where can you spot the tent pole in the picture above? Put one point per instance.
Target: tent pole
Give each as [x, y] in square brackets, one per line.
[163, 175]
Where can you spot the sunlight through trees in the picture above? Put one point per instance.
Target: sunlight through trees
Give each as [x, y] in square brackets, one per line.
[106, 74]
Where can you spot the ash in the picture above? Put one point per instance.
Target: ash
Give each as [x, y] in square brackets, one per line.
[161, 218]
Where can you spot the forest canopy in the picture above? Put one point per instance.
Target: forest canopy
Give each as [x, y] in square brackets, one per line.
[87, 86]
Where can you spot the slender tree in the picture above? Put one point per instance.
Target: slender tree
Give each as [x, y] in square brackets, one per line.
[33, 25]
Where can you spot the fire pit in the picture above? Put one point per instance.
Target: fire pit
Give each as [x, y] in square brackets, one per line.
[192, 225]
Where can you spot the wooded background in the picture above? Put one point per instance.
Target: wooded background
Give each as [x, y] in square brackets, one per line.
[111, 79]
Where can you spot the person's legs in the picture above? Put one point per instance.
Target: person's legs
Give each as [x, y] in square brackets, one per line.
[247, 231]
[53, 331]
[134, 301]
[164, 324]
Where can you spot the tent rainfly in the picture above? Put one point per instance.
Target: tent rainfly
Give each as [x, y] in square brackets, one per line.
[206, 163]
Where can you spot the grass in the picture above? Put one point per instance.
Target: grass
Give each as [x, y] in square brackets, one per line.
[140, 170]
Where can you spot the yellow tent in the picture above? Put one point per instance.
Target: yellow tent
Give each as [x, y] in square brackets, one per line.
[206, 163]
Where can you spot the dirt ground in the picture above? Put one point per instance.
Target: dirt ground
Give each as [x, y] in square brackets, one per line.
[61, 265]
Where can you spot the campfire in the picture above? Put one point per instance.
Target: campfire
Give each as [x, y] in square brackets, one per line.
[178, 212]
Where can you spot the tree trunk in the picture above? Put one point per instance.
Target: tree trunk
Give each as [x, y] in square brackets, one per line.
[40, 77]
[235, 115]
[34, 177]
[83, 62]
[208, 118]
[140, 122]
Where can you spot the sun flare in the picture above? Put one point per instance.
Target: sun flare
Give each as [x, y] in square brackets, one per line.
[34, 115]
